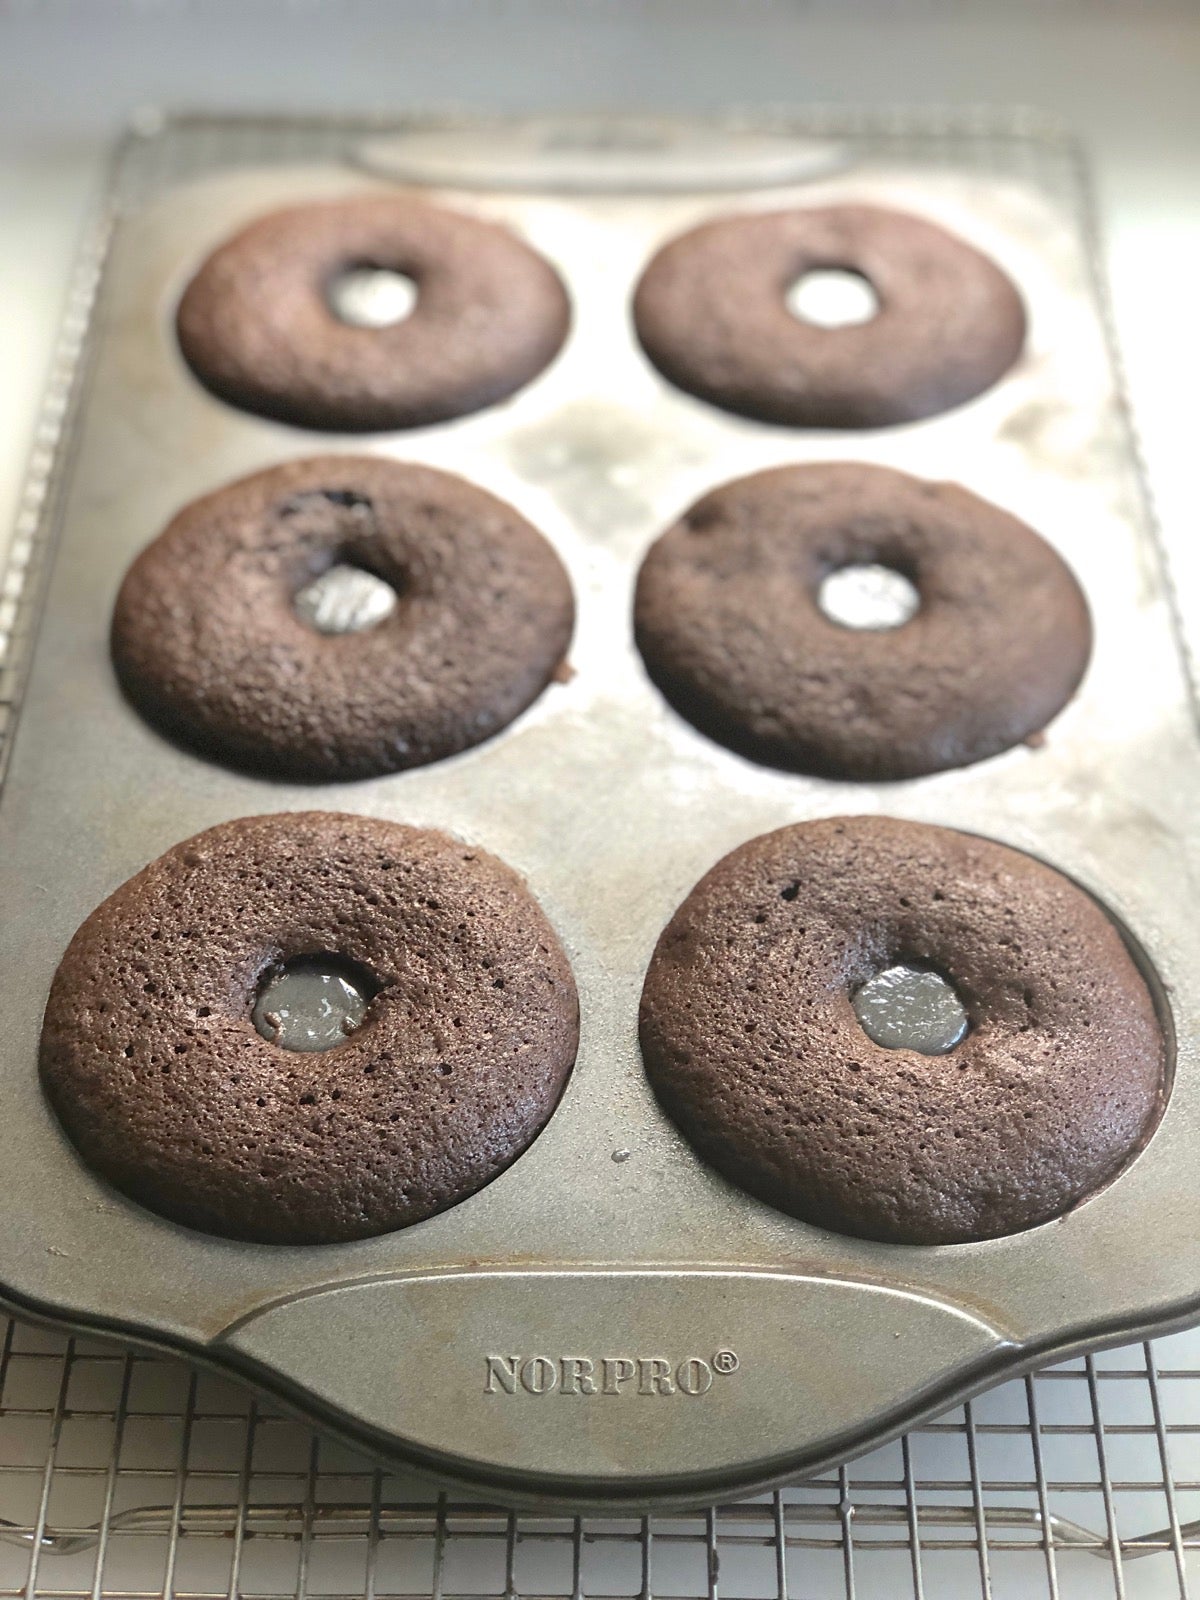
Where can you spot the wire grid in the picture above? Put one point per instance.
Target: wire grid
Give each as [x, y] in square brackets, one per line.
[130, 1474]
[126, 1474]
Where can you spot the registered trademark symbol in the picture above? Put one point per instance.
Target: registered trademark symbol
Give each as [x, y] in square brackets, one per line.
[726, 1361]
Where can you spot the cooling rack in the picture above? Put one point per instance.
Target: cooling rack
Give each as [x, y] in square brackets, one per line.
[130, 1474]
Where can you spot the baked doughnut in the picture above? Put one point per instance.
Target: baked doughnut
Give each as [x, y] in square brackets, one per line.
[151, 1059]
[728, 620]
[751, 1040]
[208, 644]
[712, 315]
[257, 327]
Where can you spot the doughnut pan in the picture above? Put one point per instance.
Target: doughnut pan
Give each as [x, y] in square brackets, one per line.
[609, 1241]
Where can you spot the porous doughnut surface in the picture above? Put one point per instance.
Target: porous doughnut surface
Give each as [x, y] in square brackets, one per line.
[729, 624]
[711, 312]
[751, 1042]
[151, 1060]
[208, 644]
[257, 327]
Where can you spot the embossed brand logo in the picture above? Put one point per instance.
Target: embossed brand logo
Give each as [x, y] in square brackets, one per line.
[605, 1375]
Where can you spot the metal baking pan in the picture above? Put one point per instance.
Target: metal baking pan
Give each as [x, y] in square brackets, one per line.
[445, 1345]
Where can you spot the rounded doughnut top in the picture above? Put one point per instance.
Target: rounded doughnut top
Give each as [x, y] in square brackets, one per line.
[209, 644]
[728, 619]
[257, 325]
[712, 314]
[751, 1041]
[151, 1059]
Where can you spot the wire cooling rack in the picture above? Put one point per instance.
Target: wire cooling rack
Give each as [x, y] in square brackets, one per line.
[130, 1475]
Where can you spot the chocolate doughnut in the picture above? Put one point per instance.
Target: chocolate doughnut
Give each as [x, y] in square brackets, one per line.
[712, 315]
[752, 1044]
[208, 644]
[728, 622]
[257, 328]
[152, 1062]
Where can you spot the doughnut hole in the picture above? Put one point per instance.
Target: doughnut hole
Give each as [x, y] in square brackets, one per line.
[312, 1003]
[346, 598]
[368, 296]
[832, 297]
[869, 596]
[908, 1007]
